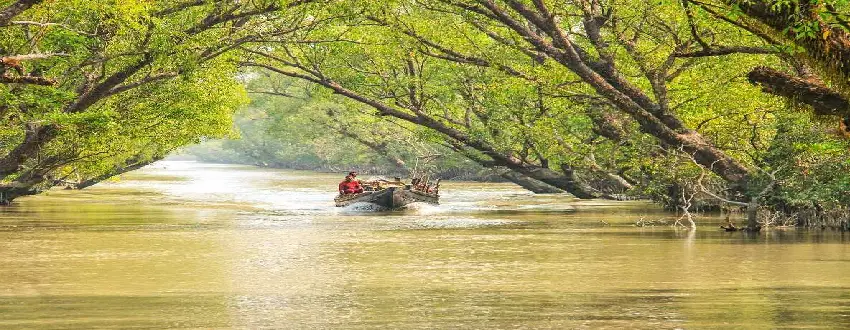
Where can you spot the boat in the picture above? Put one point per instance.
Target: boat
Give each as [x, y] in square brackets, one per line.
[391, 197]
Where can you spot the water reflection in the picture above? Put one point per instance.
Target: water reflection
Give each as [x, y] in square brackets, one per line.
[181, 244]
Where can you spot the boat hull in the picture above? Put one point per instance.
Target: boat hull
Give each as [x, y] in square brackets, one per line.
[391, 198]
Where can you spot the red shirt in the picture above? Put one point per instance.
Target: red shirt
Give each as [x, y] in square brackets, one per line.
[350, 187]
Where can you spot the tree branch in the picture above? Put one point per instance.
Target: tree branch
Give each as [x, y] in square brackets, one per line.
[29, 80]
[15, 9]
[823, 100]
[720, 51]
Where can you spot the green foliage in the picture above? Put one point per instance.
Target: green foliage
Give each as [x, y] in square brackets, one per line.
[812, 167]
[302, 132]
[134, 81]
[406, 79]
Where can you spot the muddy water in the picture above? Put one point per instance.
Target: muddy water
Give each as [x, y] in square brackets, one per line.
[181, 244]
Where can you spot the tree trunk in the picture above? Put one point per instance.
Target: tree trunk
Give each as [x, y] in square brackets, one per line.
[131, 166]
[530, 184]
[35, 137]
[752, 215]
[10, 193]
[618, 181]
[607, 125]
[533, 185]
[566, 181]
[575, 186]
[29, 183]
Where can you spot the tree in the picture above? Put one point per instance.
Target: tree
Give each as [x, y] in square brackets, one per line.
[78, 76]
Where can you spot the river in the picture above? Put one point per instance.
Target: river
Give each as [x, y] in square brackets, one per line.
[184, 244]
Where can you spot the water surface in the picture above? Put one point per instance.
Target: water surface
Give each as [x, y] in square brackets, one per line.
[182, 244]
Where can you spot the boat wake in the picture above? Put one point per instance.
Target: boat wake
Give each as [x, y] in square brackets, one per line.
[423, 208]
[363, 207]
[420, 208]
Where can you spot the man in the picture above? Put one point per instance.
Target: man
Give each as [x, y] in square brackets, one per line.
[350, 185]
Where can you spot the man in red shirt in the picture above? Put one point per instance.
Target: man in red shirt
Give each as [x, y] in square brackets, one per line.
[350, 185]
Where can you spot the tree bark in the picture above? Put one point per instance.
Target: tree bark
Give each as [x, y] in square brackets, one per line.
[823, 100]
[616, 180]
[15, 9]
[572, 181]
[530, 184]
[8, 193]
[31, 80]
[752, 215]
[607, 125]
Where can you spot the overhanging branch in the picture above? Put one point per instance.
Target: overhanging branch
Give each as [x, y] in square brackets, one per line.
[823, 100]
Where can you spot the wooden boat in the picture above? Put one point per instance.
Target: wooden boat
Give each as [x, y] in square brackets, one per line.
[391, 198]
